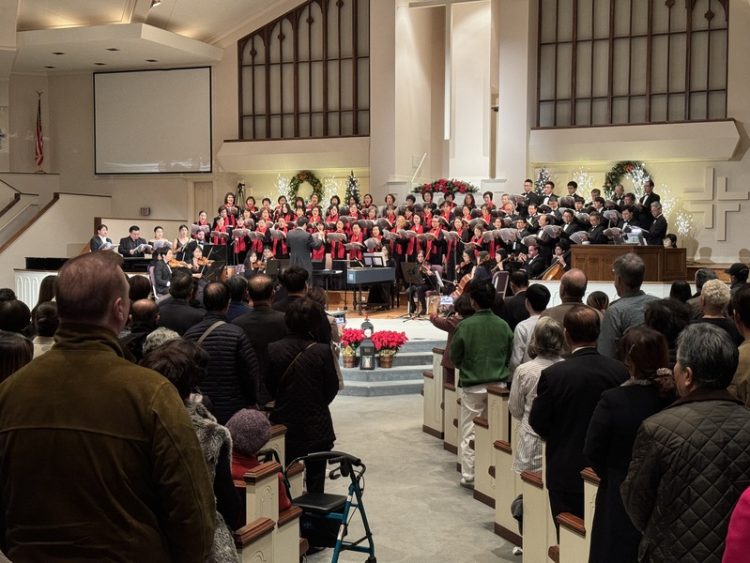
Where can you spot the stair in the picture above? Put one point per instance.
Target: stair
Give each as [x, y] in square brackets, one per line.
[404, 378]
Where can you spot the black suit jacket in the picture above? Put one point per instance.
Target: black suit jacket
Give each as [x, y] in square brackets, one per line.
[262, 325]
[658, 231]
[567, 395]
[514, 309]
[179, 315]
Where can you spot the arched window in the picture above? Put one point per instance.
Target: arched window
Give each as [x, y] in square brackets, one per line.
[307, 74]
[607, 62]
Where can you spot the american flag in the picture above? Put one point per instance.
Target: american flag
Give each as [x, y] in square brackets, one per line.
[39, 140]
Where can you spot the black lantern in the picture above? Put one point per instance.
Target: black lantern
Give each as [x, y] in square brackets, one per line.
[367, 346]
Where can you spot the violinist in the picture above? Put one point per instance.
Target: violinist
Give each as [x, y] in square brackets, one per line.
[162, 272]
[417, 293]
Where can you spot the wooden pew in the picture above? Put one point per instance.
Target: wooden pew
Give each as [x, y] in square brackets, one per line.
[482, 462]
[433, 396]
[254, 541]
[450, 418]
[507, 488]
[277, 441]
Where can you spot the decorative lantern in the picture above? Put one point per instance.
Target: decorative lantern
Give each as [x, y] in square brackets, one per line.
[367, 347]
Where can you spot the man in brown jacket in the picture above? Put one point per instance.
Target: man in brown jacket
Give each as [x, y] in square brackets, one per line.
[98, 458]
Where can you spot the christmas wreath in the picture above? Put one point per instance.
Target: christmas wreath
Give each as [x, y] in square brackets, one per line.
[636, 170]
[445, 186]
[300, 178]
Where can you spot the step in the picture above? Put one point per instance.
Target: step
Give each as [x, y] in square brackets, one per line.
[381, 388]
[396, 373]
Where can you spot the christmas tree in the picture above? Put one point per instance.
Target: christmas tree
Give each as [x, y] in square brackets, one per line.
[352, 189]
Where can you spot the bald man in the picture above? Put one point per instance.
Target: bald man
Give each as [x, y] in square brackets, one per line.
[129, 475]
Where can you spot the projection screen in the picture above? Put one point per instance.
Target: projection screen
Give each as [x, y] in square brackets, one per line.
[153, 121]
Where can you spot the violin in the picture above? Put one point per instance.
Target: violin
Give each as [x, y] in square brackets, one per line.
[174, 263]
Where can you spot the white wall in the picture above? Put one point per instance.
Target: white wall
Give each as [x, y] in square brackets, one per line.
[55, 233]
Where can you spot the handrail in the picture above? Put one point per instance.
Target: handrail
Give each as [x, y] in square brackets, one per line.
[38, 215]
[16, 189]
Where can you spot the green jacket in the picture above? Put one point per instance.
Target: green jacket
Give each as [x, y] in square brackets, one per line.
[99, 460]
[481, 349]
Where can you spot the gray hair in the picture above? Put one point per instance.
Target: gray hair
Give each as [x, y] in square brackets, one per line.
[548, 338]
[630, 268]
[160, 336]
[709, 351]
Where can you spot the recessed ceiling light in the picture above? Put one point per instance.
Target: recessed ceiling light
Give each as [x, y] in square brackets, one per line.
[48, 66]
[113, 49]
[58, 53]
[100, 64]
[152, 60]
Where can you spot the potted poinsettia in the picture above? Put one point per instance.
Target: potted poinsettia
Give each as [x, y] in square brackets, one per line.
[351, 338]
[387, 343]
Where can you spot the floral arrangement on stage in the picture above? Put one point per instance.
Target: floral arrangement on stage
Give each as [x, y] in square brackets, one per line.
[300, 178]
[446, 186]
[351, 338]
[389, 341]
[636, 171]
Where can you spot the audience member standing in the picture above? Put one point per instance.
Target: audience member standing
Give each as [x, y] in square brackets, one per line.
[610, 437]
[480, 349]
[572, 290]
[546, 347]
[176, 313]
[233, 372]
[537, 297]
[262, 325]
[629, 270]
[129, 476]
[567, 394]
[180, 362]
[294, 284]
[514, 308]
[715, 298]
[303, 382]
[691, 462]
[740, 386]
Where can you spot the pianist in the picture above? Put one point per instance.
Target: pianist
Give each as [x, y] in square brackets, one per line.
[129, 245]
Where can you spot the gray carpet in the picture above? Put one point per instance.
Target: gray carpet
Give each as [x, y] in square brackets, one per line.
[417, 511]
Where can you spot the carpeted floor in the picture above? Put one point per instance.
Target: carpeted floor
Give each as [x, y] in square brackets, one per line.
[417, 510]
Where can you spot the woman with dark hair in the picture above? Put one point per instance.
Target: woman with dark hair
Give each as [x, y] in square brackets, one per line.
[610, 437]
[303, 382]
[183, 362]
[15, 352]
[680, 290]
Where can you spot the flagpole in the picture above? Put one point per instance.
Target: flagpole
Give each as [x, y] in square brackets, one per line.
[38, 136]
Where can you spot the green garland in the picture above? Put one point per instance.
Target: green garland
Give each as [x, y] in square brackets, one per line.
[620, 169]
[301, 177]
